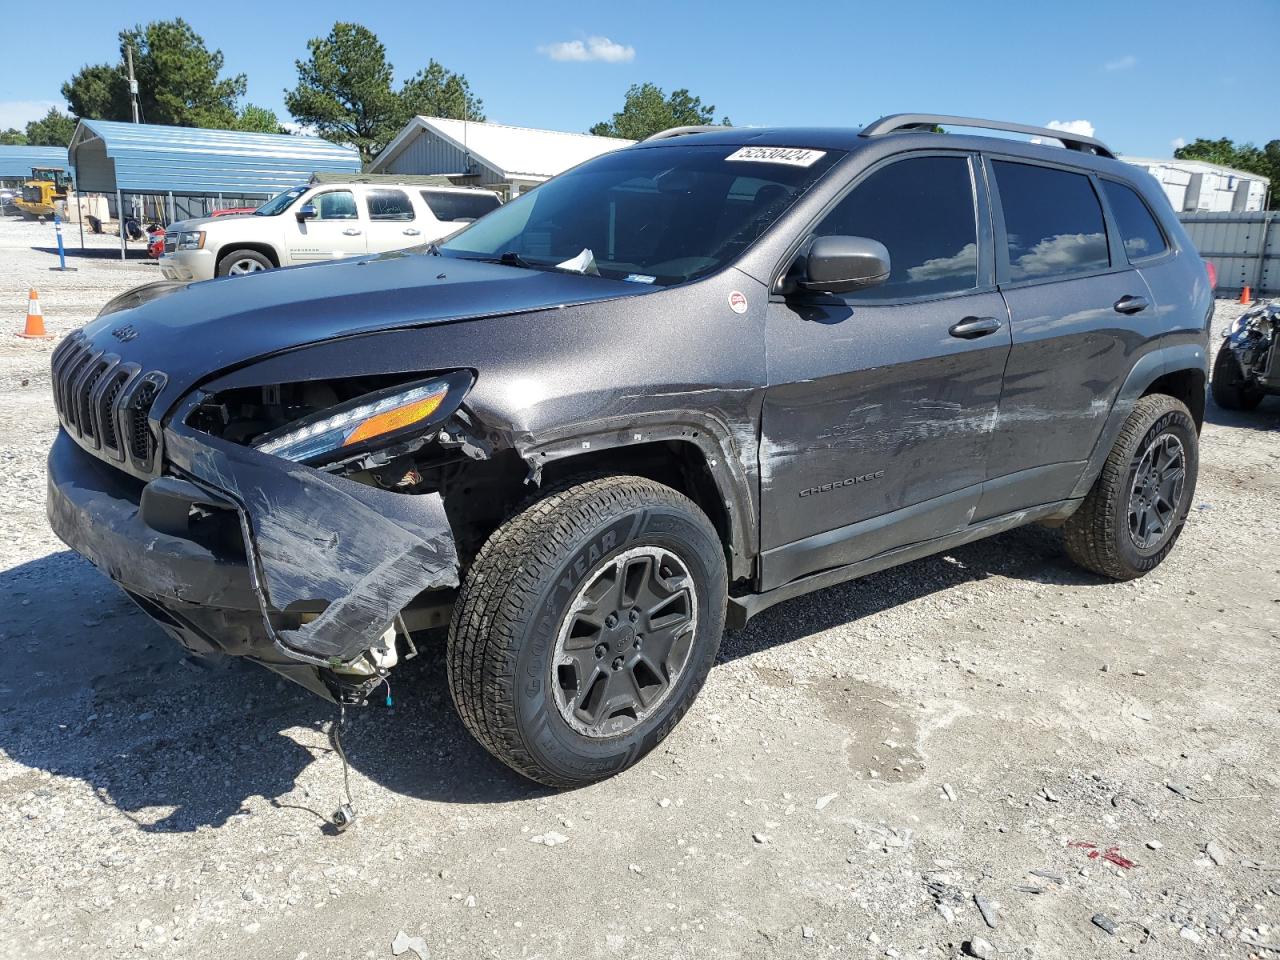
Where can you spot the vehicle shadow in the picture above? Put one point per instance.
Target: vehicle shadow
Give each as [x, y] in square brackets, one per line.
[92, 689]
[1032, 553]
[136, 251]
[1266, 416]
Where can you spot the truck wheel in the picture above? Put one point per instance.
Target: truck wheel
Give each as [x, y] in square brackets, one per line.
[586, 627]
[1230, 391]
[1132, 516]
[242, 261]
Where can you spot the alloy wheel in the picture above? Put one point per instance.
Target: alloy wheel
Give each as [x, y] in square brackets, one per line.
[244, 265]
[624, 642]
[1155, 493]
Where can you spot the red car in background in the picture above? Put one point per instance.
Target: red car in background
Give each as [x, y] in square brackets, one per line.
[155, 233]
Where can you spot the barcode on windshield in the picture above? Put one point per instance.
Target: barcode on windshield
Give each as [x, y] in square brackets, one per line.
[790, 156]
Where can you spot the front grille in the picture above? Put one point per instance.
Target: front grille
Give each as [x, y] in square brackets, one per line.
[170, 242]
[105, 403]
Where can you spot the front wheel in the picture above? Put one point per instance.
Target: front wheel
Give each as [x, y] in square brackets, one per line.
[1135, 510]
[585, 628]
[239, 262]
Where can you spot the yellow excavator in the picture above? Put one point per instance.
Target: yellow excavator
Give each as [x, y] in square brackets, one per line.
[46, 187]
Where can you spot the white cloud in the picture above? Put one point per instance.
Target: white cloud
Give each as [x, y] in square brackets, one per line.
[299, 129]
[593, 48]
[1082, 127]
[18, 113]
[962, 263]
[1121, 63]
[1177, 142]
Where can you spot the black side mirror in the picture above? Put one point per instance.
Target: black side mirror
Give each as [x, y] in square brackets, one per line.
[307, 211]
[841, 264]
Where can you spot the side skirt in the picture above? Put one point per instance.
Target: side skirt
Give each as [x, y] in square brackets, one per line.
[741, 609]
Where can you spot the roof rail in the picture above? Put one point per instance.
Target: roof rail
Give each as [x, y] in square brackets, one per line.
[682, 132]
[926, 121]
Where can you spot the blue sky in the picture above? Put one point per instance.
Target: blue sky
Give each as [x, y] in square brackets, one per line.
[1143, 74]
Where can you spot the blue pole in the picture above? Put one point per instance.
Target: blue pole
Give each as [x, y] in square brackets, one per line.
[62, 254]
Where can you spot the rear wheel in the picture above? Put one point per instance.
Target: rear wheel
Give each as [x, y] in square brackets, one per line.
[239, 262]
[1134, 513]
[1230, 389]
[586, 627]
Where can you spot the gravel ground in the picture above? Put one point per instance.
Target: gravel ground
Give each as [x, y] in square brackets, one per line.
[986, 751]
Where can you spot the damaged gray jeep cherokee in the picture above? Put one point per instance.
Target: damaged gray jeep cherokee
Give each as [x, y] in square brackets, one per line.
[665, 390]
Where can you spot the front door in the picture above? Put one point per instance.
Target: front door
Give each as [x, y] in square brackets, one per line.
[878, 415]
[337, 230]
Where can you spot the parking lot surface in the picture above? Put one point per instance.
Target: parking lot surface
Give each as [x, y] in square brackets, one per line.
[987, 751]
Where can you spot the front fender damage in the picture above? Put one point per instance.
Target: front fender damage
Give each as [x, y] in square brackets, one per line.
[333, 562]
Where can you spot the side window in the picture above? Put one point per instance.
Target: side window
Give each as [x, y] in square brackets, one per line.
[389, 205]
[922, 210]
[336, 205]
[1053, 221]
[463, 207]
[1138, 228]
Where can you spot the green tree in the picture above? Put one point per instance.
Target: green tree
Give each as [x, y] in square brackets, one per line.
[647, 110]
[12, 137]
[179, 80]
[255, 119]
[54, 129]
[345, 91]
[1264, 161]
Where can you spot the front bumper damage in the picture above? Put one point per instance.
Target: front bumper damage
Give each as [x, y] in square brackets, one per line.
[244, 553]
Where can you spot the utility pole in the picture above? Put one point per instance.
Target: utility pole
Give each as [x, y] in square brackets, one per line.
[133, 83]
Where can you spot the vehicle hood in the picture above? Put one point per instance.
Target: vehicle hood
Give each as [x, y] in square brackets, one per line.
[191, 331]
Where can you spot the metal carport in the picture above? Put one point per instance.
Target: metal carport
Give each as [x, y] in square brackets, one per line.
[192, 167]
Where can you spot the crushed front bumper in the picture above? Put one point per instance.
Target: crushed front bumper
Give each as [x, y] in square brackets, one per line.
[252, 555]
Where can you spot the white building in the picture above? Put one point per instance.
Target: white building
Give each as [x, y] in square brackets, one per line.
[508, 159]
[1195, 186]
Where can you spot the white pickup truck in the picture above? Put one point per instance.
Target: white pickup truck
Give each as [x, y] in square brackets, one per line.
[319, 222]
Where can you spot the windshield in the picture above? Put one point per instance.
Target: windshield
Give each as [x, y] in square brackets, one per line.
[660, 215]
[280, 202]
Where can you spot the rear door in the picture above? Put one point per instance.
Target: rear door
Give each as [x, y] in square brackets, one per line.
[337, 230]
[1078, 312]
[877, 418]
[394, 222]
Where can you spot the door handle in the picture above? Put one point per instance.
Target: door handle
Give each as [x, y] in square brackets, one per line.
[1129, 305]
[351, 232]
[970, 328]
[412, 232]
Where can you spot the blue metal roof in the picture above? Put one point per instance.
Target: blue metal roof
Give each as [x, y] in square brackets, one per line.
[17, 161]
[148, 158]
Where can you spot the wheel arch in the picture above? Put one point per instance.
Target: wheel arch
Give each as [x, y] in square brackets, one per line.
[255, 246]
[1181, 371]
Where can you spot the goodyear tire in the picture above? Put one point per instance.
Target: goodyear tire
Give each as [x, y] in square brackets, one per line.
[1135, 511]
[585, 628]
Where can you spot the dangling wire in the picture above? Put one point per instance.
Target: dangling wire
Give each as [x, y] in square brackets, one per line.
[336, 731]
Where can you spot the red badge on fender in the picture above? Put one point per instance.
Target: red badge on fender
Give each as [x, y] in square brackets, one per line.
[738, 302]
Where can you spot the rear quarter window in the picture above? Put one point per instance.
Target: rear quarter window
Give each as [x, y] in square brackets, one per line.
[459, 206]
[1141, 234]
[1053, 222]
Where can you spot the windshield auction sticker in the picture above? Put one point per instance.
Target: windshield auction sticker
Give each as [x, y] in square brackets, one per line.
[790, 156]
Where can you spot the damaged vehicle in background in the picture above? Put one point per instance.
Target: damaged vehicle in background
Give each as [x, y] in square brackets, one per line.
[666, 390]
[1247, 367]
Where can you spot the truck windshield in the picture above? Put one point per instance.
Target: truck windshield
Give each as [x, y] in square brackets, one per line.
[661, 215]
[280, 202]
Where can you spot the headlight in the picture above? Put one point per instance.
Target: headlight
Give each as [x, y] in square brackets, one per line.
[190, 240]
[372, 420]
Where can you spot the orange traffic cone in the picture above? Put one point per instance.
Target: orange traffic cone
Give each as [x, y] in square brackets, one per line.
[1246, 295]
[34, 329]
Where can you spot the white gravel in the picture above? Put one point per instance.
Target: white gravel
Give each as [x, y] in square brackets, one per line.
[908, 746]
